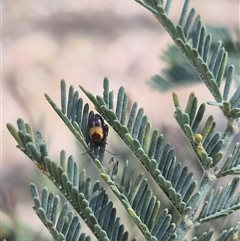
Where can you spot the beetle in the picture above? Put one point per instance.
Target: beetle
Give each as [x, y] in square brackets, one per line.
[98, 130]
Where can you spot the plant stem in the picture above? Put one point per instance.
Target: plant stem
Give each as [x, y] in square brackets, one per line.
[231, 130]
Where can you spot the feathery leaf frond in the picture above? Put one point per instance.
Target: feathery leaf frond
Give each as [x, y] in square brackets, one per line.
[232, 164]
[230, 234]
[96, 203]
[138, 124]
[195, 44]
[158, 158]
[93, 206]
[68, 180]
[179, 72]
[222, 203]
[76, 117]
[34, 147]
[145, 205]
[204, 237]
[226, 235]
[63, 226]
[207, 145]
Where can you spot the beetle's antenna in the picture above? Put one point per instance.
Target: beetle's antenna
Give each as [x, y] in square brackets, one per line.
[87, 152]
[105, 150]
[111, 153]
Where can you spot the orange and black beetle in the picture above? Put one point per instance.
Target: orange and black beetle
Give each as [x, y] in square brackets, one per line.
[98, 130]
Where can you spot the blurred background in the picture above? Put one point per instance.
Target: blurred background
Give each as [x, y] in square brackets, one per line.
[83, 42]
